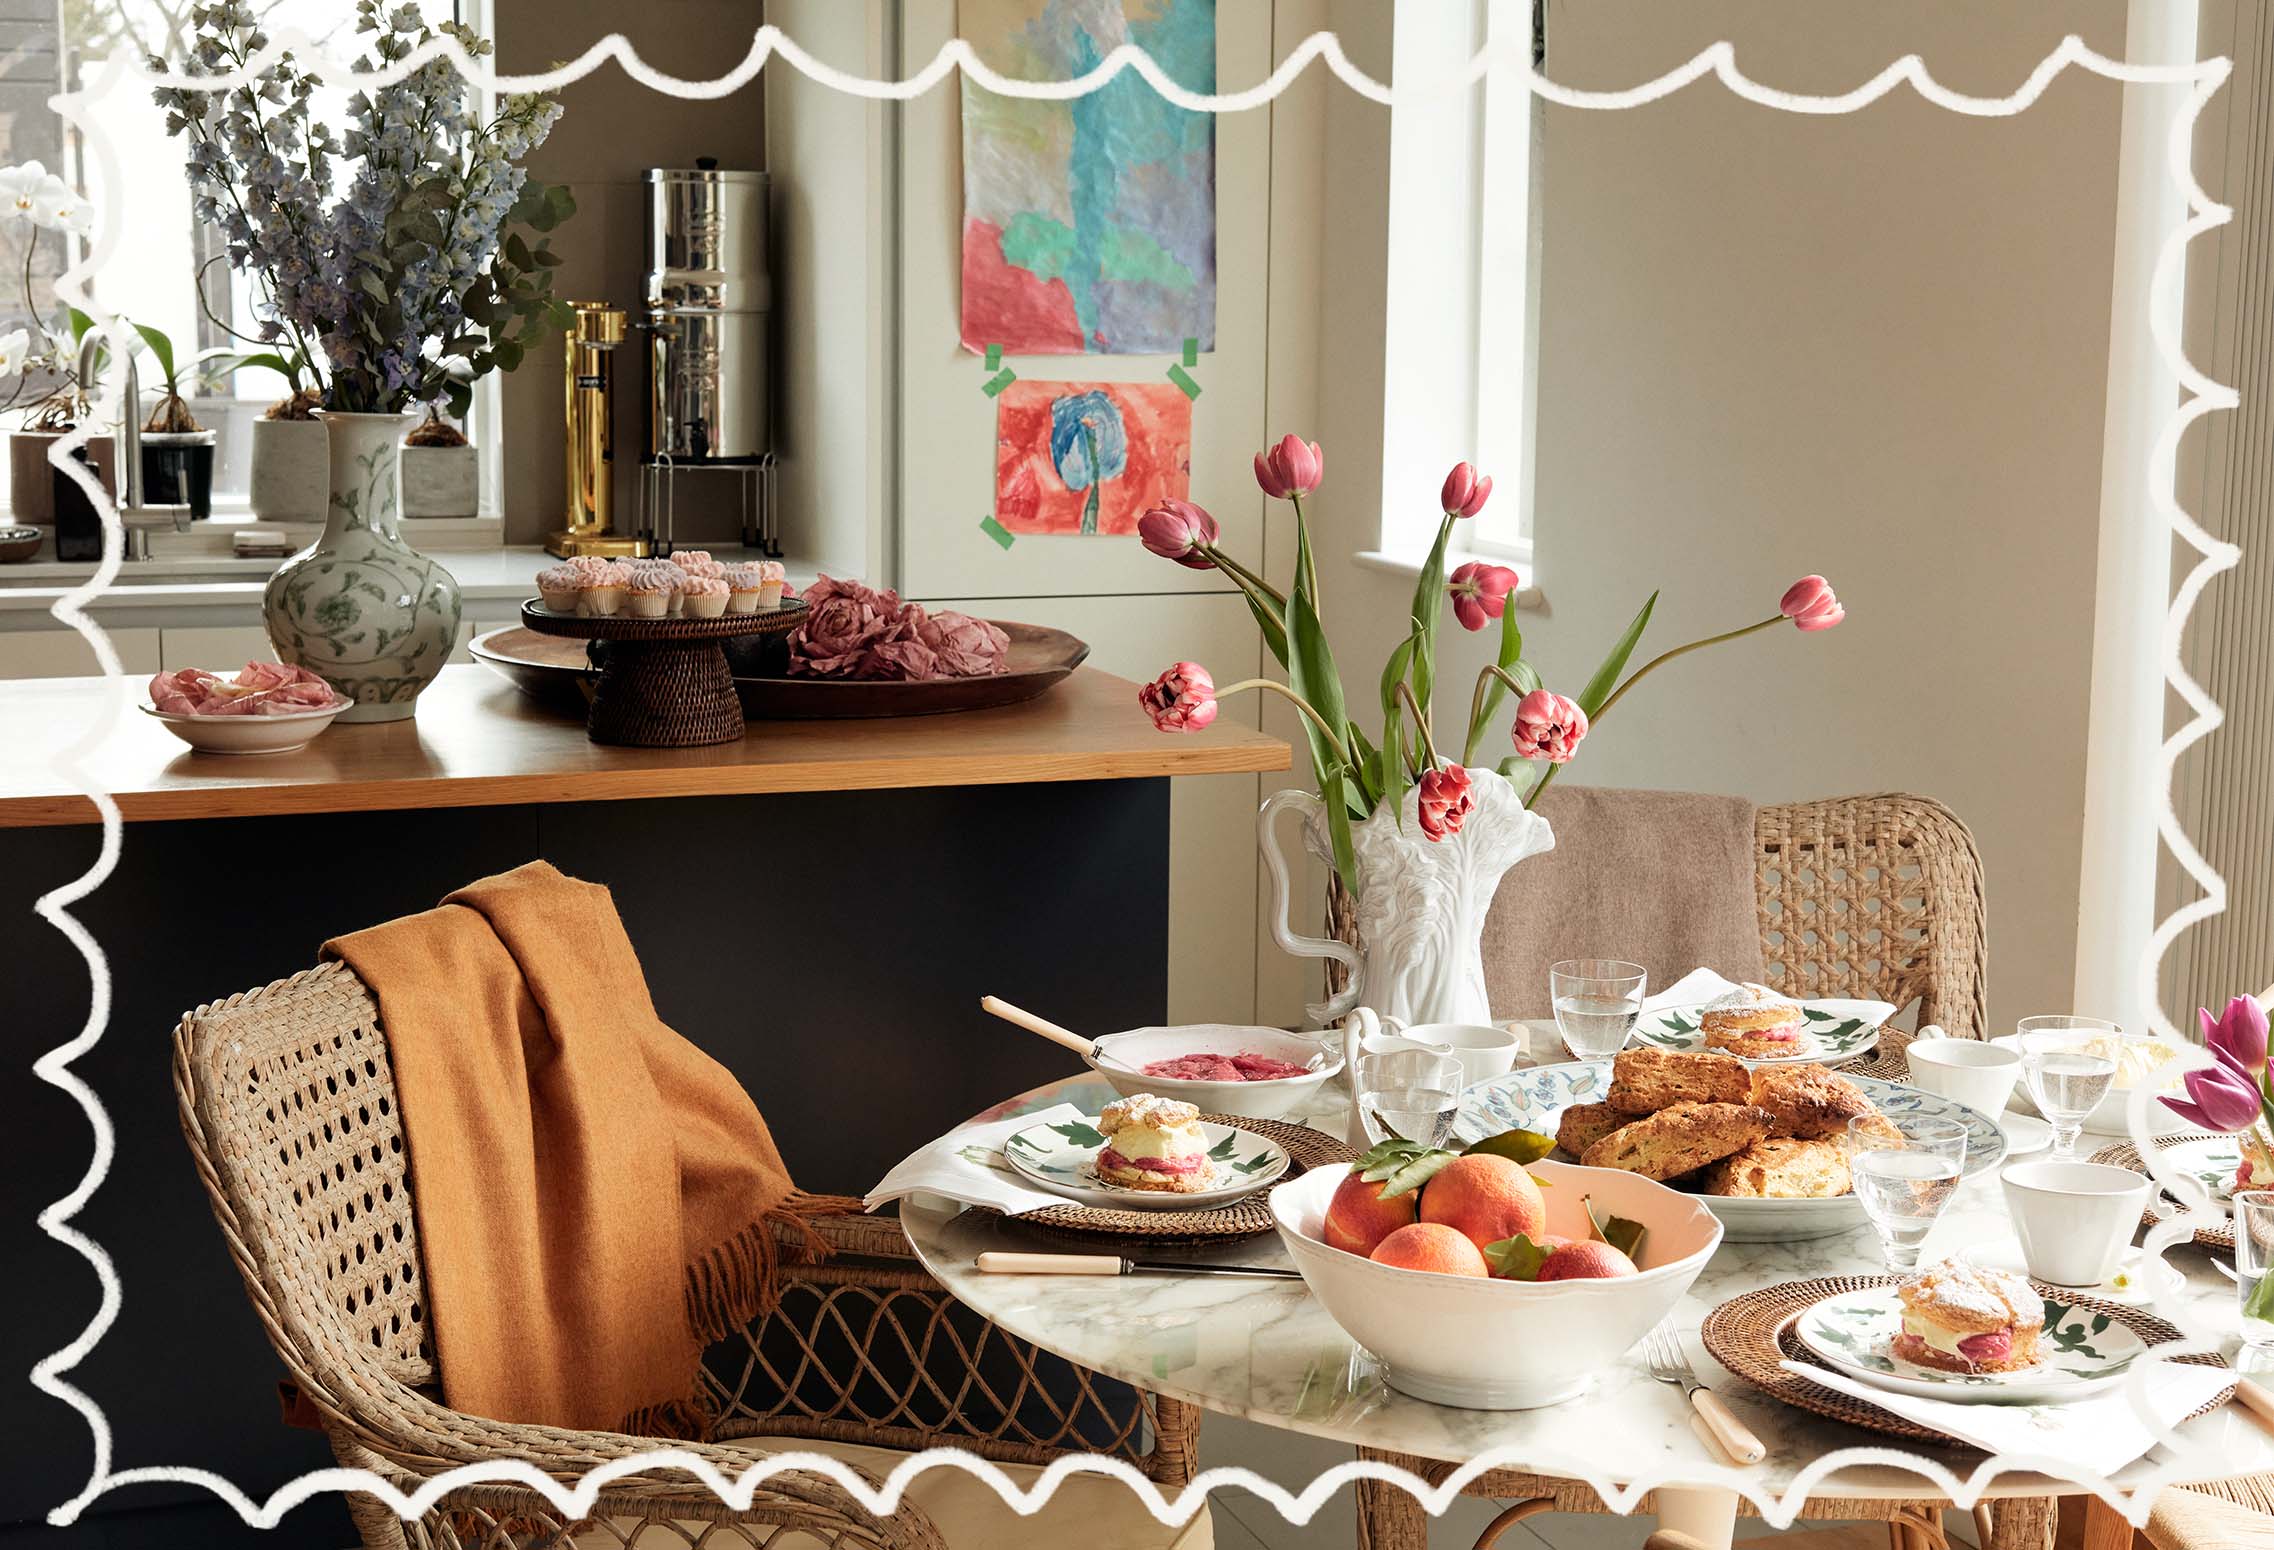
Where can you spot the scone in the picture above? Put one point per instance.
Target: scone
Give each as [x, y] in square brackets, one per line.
[1679, 1139]
[1584, 1124]
[1154, 1143]
[1963, 1318]
[1645, 1080]
[1755, 1022]
[1781, 1168]
[1808, 1101]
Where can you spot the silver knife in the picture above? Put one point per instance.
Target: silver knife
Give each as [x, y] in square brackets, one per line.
[1005, 1262]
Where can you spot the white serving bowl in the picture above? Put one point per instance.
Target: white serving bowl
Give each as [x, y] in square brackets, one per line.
[1503, 1345]
[1251, 1100]
[249, 734]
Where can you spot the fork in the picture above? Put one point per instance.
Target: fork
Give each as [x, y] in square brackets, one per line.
[1662, 1353]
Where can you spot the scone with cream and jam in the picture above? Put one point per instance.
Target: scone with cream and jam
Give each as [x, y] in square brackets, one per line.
[1154, 1143]
[1754, 1023]
[1964, 1318]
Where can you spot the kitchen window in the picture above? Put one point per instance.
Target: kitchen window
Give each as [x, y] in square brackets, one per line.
[153, 274]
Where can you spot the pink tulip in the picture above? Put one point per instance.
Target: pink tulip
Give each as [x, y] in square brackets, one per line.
[2239, 1034]
[1183, 699]
[1465, 492]
[1294, 467]
[2223, 1100]
[1549, 727]
[1480, 592]
[1810, 604]
[1445, 800]
[1177, 530]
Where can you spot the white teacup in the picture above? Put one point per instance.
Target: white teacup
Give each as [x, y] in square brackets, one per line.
[1483, 1051]
[2074, 1219]
[1967, 1071]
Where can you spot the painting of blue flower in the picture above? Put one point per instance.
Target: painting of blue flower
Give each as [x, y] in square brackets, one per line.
[1088, 446]
[1089, 458]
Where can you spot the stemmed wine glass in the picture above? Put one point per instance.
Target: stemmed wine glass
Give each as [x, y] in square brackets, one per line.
[2070, 1064]
[1905, 1168]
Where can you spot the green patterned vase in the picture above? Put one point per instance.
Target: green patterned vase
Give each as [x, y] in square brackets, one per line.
[376, 618]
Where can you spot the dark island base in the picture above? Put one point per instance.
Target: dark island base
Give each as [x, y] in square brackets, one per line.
[829, 948]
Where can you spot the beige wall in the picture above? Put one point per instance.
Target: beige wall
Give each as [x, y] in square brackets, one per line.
[1873, 346]
[612, 131]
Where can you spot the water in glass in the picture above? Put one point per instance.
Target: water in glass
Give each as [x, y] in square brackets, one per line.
[1423, 1114]
[1905, 1170]
[1596, 1002]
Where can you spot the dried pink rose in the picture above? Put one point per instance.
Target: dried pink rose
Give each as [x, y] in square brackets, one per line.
[843, 620]
[967, 647]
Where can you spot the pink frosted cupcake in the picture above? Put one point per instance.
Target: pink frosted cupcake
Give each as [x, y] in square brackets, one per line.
[704, 597]
[698, 562]
[771, 579]
[558, 587]
[650, 591]
[744, 586]
[603, 594]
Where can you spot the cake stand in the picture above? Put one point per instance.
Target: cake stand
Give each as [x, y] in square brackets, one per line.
[664, 683]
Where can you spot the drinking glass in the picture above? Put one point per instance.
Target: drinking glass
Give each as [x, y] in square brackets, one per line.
[2254, 1257]
[2069, 1064]
[1408, 1094]
[1596, 1003]
[1905, 1169]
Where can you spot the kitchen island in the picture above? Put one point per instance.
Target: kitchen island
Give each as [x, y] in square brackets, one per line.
[819, 906]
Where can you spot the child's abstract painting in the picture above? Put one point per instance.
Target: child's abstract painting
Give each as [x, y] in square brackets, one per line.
[1089, 457]
[1089, 225]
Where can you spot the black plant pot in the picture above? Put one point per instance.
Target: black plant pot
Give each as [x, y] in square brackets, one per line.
[78, 531]
[177, 470]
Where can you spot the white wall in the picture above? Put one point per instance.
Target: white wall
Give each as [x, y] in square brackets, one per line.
[1873, 346]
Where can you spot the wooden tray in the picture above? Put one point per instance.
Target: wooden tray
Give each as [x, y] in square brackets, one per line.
[1248, 1218]
[559, 673]
[1753, 1337]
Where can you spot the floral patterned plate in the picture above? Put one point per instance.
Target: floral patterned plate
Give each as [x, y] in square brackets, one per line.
[2080, 1351]
[1834, 1031]
[1535, 1099]
[2213, 1159]
[1062, 1158]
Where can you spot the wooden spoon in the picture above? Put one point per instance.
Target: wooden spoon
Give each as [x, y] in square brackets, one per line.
[1022, 1018]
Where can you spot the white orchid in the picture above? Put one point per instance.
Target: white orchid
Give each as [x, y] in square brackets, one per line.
[56, 204]
[15, 345]
[20, 190]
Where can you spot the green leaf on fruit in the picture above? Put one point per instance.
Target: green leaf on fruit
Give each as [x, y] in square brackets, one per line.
[1621, 1233]
[1401, 1166]
[1518, 1146]
[1516, 1259]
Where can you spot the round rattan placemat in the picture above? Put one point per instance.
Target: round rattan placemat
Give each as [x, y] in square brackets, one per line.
[1752, 1337]
[1305, 1147]
[2125, 1155]
[1886, 1060]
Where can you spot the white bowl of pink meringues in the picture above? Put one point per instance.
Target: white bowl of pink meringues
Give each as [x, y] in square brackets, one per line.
[1219, 1068]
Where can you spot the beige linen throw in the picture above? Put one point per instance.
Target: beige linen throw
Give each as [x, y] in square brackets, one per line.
[1662, 878]
[596, 1197]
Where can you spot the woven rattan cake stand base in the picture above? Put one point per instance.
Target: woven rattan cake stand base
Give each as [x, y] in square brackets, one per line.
[664, 683]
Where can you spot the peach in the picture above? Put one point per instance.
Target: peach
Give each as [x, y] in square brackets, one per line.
[1485, 1198]
[1585, 1260]
[1430, 1246]
[1358, 1218]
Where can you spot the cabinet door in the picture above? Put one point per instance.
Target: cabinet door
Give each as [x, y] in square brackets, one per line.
[1212, 857]
[58, 651]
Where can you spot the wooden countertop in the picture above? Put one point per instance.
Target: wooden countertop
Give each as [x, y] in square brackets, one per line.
[478, 742]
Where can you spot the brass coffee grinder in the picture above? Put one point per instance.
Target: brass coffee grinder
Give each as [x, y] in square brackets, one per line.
[590, 405]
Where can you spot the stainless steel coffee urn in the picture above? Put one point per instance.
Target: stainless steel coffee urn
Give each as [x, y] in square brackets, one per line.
[709, 318]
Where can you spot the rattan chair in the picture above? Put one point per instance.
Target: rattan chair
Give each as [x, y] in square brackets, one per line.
[1877, 897]
[288, 1103]
[2235, 1514]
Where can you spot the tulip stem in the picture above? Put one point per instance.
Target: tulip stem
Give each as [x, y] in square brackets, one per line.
[1492, 670]
[1301, 704]
[1421, 725]
[1239, 572]
[1667, 656]
[1310, 561]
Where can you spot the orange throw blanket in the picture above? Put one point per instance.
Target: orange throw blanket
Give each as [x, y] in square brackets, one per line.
[596, 1197]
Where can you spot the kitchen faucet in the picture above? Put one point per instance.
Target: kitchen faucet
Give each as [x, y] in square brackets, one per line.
[136, 518]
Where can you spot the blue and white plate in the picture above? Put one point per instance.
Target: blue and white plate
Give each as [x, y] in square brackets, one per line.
[1535, 1100]
[1062, 1159]
[1832, 1031]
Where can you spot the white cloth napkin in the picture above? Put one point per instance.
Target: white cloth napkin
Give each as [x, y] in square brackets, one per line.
[967, 1165]
[2102, 1433]
[1703, 985]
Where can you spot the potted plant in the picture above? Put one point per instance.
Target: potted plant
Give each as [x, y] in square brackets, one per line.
[407, 282]
[440, 477]
[177, 452]
[41, 369]
[1419, 834]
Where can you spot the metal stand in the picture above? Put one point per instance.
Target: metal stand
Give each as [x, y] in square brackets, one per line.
[754, 488]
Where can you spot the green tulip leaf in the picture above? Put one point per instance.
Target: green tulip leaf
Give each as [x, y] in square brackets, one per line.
[1606, 677]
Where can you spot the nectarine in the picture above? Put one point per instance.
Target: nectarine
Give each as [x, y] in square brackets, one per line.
[1585, 1260]
[1358, 1218]
[1430, 1246]
[1486, 1199]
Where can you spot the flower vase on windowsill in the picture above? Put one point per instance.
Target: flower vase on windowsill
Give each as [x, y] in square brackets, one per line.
[1419, 840]
[374, 616]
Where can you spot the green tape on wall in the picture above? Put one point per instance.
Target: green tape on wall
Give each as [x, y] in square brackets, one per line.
[995, 357]
[1001, 380]
[995, 530]
[1183, 379]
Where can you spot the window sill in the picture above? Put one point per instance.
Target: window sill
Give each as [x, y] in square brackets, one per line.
[1528, 597]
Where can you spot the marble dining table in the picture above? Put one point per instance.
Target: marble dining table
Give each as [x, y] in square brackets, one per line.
[1266, 1350]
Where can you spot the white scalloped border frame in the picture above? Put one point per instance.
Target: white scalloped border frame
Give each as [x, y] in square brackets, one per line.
[2203, 396]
